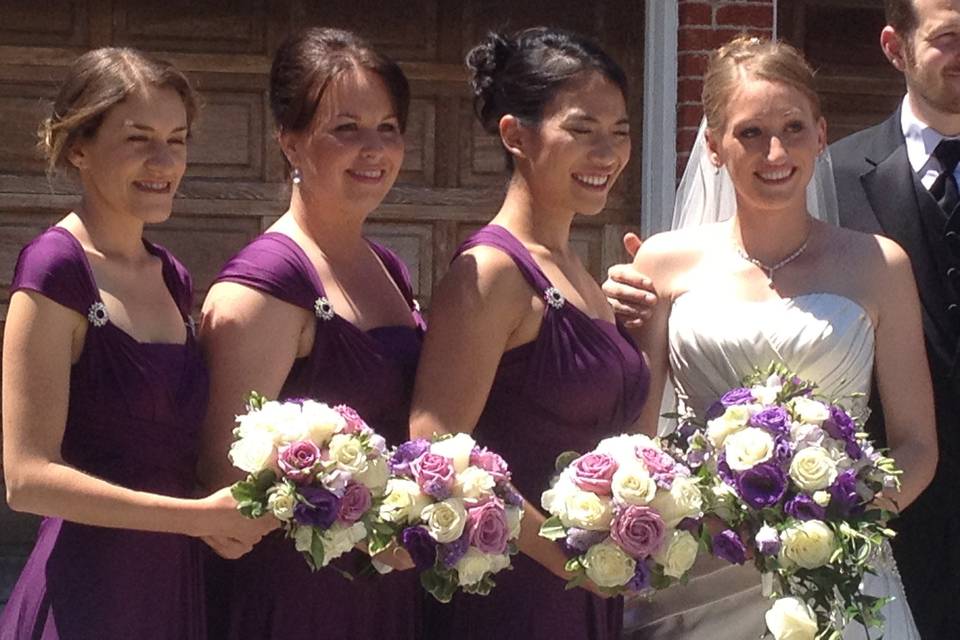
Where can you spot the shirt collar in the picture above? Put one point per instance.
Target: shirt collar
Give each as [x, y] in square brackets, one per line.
[921, 139]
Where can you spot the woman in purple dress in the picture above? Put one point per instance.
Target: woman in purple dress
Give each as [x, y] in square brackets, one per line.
[523, 350]
[312, 309]
[104, 388]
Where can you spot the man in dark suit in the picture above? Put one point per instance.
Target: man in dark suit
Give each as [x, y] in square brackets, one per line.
[899, 179]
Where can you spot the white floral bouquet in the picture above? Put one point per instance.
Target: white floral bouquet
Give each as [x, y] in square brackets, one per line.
[791, 477]
[626, 512]
[321, 471]
[449, 503]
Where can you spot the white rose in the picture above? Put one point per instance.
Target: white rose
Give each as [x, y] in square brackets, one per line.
[733, 419]
[403, 502]
[278, 419]
[677, 553]
[632, 484]
[375, 476]
[281, 502]
[810, 411]
[320, 422]
[623, 448]
[472, 566]
[608, 566]
[683, 500]
[348, 453]
[747, 448]
[791, 619]
[457, 448]
[473, 483]
[253, 452]
[587, 510]
[808, 544]
[813, 469]
[445, 520]
[514, 516]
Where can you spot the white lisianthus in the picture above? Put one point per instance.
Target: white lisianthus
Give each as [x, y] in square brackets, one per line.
[791, 619]
[514, 516]
[280, 420]
[747, 448]
[472, 566]
[403, 501]
[320, 422]
[348, 453]
[677, 553]
[808, 544]
[725, 500]
[473, 483]
[457, 448]
[375, 476]
[445, 520]
[683, 500]
[253, 452]
[339, 539]
[281, 501]
[632, 484]
[554, 499]
[805, 435]
[812, 469]
[733, 419]
[767, 393]
[822, 498]
[587, 510]
[623, 447]
[498, 561]
[303, 538]
[810, 411]
[608, 566]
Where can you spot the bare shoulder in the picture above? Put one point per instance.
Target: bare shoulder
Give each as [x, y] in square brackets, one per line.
[488, 274]
[869, 252]
[235, 303]
[674, 252]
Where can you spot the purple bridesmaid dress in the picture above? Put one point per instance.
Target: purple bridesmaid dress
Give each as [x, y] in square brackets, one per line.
[133, 419]
[581, 380]
[272, 591]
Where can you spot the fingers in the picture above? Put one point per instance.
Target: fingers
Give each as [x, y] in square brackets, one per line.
[631, 242]
[227, 547]
[630, 294]
[396, 557]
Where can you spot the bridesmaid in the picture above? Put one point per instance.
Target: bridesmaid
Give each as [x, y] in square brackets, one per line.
[104, 387]
[523, 350]
[313, 309]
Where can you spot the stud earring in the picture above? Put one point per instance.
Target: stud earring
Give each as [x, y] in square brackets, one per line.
[295, 176]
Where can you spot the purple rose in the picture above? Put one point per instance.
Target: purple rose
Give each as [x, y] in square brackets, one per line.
[802, 507]
[776, 420]
[435, 475]
[490, 462]
[355, 423]
[844, 499]
[728, 546]
[487, 527]
[407, 453]
[640, 579]
[451, 553]
[297, 459]
[762, 485]
[319, 509]
[579, 540]
[421, 547]
[737, 396]
[354, 503]
[594, 472]
[639, 530]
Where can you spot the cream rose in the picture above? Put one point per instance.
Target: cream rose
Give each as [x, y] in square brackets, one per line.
[403, 502]
[473, 483]
[748, 448]
[457, 448]
[375, 476]
[677, 553]
[632, 484]
[733, 419]
[472, 566]
[348, 453]
[281, 502]
[608, 566]
[810, 411]
[683, 500]
[587, 511]
[808, 544]
[813, 469]
[320, 422]
[445, 520]
[791, 619]
[253, 452]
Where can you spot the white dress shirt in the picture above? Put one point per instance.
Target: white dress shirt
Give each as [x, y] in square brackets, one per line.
[921, 140]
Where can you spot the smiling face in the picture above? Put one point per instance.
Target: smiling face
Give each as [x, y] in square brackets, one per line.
[133, 164]
[351, 154]
[580, 146]
[931, 55]
[769, 142]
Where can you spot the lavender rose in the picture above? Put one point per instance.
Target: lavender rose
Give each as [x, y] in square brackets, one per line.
[319, 509]
[355, 423]
[407, 453]
[579, 540]
[487, 528]
[421, 547]
[802, 507]
[297, 459]
[639, 530]
[762, 485]
[435, 475]
[594, 472]
[737, 396]
[776, 420]
[844, 499]
[355, 502]
[490, 462]
[728, 546]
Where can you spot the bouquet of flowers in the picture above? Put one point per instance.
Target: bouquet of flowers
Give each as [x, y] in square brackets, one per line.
[321, 471]
[449, 503]
[625, 511]
[793, 475]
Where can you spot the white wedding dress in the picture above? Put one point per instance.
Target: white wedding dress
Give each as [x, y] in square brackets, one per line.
[714, 342]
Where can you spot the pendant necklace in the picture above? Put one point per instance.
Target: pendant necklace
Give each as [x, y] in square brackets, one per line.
[771, 269]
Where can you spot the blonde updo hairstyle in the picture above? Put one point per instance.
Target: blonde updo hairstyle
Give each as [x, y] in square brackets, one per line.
[750, 57]
[95, 82]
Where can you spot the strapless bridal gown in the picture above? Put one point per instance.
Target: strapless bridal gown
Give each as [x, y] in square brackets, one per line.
[714, 343]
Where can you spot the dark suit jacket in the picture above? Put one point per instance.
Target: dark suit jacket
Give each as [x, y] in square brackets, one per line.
[878, 192]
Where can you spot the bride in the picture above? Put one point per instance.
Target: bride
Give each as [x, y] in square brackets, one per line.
[772, 283]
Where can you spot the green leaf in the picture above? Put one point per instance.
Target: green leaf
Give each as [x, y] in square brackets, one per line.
[440, 582]
[574, 565]
[255, 401]
[316, 549]
[553, 529]
[564, 460]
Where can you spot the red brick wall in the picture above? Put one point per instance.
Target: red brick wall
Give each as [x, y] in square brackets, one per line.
[705, 25]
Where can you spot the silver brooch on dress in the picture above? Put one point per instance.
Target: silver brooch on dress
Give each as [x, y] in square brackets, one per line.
[553, 297]
[323, 308]
[98, 314]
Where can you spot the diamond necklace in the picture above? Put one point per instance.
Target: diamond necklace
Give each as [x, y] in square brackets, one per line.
[771, 269]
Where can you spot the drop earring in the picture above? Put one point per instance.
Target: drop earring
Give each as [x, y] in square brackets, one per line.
[295, 176]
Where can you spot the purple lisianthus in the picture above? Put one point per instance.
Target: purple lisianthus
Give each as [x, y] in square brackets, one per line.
[579, 540]
[741, 395]
[511, 496]
[844, 499]
[728, 546]
[435, 475]
[407, 453]
[297, 459]
[639, 530]
[776, 420]
[762, 485]
[421, 547]
[355, 502]
[319, 509]
[640, 579]
[594, 472]
[724, 471]
[715, 410]
[802, 507]
[490, 462]
[451, 553]
[768, 541]
[487, 528]
[841, 426]
[782, 449]
[355, 423]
